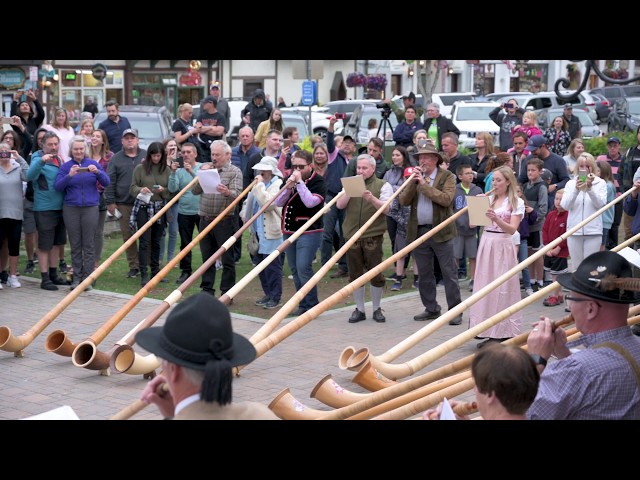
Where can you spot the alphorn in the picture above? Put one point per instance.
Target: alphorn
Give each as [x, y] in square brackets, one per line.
[138, 405]
[288, 307]
[62, 346]
[396, 371]
[86, 354]
[122, 357]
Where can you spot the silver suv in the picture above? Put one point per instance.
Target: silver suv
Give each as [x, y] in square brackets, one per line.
[152, 123]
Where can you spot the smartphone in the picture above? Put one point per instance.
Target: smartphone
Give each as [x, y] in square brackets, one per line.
[23, 97]
[582, 175]
[83, 169]
[341, 116]
[508, 105]
[5, 154]
[180, 161]
[287, 143]
[155, 187]
[6, 120]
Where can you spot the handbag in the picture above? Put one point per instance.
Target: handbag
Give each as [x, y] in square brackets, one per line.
[253, 243]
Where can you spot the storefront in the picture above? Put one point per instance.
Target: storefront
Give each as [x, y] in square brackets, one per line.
[168, 89]
[530, 77]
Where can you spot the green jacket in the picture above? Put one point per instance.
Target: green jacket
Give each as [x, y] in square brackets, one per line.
[441, 193]
[358, 212]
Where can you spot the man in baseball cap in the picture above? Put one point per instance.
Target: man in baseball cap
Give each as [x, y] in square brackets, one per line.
[223, 106]
[130, 131]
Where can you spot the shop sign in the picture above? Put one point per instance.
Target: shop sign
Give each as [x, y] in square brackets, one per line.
[12, 78]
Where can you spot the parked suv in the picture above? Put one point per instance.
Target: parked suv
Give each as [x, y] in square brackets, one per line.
[544, 100]
[472, 117]
[446, 100]
[345, 106]
[614, 92]
[152, 123]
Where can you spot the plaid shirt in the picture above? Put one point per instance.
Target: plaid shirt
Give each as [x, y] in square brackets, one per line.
[211, 204]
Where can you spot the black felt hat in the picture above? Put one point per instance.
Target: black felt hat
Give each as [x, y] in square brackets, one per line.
[603, 276]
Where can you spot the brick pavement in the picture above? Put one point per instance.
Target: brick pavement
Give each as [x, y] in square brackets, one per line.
[41, 381]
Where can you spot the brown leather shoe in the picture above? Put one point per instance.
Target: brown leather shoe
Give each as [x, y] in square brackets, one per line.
[339, 274]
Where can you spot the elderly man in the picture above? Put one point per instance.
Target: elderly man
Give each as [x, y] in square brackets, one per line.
[436, 124]
[212, 205]
[600, 379]
[431, 198]
[366, 252]
[199, 349]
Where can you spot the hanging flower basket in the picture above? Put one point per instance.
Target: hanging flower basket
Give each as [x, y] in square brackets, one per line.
[356, 79]
[377, 82]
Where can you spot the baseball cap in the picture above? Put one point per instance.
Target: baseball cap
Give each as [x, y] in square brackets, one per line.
[613, 139]
[536, 141]
[215, 85]
[411, 96]
[546, 174]
[130, 131]
[348, 137]
[568, 106]
[211, 99]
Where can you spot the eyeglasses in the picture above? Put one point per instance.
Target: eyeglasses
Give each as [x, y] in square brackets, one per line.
[298, 167]
[579, 299]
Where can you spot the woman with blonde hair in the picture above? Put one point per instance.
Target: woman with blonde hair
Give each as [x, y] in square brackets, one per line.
[484, 150]
[584, 195]
[576, 147]
[100, 152]
[496, 256]
[59, 124]
[274, 122]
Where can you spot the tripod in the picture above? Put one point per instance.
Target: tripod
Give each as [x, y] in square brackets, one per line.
[385, 121]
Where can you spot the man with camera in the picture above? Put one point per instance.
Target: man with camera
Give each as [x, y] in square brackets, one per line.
[399, 111]
[183, 170]
[507, 116]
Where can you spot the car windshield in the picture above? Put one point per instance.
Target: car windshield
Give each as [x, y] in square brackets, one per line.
[634, 108]
[296, 121]
[147, 127]
[473, 112]
[449, 100]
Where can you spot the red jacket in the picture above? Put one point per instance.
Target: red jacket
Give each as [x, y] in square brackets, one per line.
[555, 225]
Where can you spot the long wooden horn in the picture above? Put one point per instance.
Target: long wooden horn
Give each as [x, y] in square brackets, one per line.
[58, 341]
[86, 354]
[123, 359]
[288, 307]
[402, 370]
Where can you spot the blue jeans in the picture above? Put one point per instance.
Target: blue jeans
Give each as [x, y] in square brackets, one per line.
[522, 256]
[299, 257]
[172, 228]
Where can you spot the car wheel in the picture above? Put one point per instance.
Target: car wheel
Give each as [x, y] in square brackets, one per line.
[322, 132]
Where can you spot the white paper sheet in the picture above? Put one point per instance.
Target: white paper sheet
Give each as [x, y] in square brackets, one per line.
[61, 413]
[632, 256]
[447, 411]
[145, 197]
[209, 180]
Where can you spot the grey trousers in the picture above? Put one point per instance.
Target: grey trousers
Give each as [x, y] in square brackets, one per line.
[81, 224]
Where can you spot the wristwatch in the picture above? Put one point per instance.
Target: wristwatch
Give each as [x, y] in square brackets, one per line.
[539, 360]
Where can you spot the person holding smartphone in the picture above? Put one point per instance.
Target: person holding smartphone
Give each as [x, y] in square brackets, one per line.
[507, 116]
[29, 109]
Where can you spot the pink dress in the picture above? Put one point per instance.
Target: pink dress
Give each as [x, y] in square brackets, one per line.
[496, 256]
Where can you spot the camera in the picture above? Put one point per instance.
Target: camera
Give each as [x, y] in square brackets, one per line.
[386, 109]
[340, 116]
[5, 154]
[508, 105]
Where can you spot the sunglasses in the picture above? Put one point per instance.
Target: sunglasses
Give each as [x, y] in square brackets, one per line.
[299, 167]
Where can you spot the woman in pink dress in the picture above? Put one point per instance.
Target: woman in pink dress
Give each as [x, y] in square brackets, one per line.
[497, 256]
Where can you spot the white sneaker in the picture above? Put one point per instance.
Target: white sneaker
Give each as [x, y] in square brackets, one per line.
[13, 282]
[1, 286]
[529, 291]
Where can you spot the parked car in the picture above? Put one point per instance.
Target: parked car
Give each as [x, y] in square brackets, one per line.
[472, 117]
[589, 128]
[320, 117]
[293, 119]
[542, 100]
[614, 92]
[359, 121]
[446, 100]
[625, 116]
[498, 97]
[152, 123]
[345, 106]
[602, 105]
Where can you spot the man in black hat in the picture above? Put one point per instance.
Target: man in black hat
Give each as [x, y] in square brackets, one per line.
[601, 380]
[199, 349]
[431, 197]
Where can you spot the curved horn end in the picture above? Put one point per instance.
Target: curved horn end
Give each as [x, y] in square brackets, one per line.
[344, 357]
[143, 365]
[287, 407]
[330, 393]
[86, 355]
[122, 358]
[369, 378]
[9, 343]
[357, 360]
[58, 342]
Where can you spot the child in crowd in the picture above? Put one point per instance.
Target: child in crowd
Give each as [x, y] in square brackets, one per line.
[555, 260]
[606, 174]
[465, 244]
[537, 196]
[530, 217]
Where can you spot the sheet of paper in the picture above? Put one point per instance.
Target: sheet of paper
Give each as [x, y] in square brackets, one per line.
[478, 207]
[632, 256]
[447, 411]
[353, 186]
[209, 180]
[61, 413]
[145, 197]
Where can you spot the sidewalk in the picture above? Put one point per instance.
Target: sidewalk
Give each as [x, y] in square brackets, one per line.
[41, 381]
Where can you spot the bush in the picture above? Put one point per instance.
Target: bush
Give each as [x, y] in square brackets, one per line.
[598, 146]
